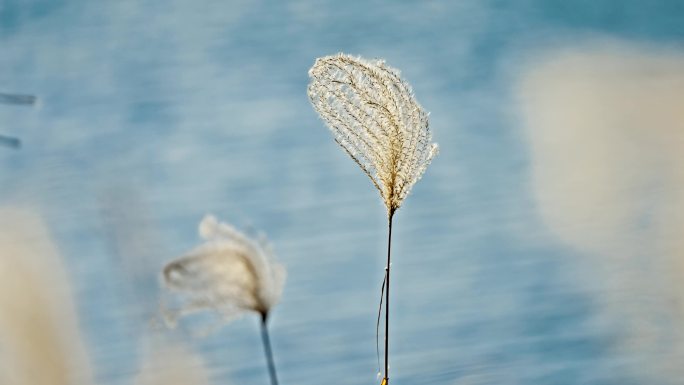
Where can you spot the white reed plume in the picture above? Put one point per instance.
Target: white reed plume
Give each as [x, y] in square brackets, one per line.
[229, 273]
[375, 118]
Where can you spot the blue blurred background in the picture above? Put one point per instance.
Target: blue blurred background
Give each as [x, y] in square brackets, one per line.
[152, 114]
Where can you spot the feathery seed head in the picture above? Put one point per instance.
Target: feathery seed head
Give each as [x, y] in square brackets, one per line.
[229, 273]
[374, 116]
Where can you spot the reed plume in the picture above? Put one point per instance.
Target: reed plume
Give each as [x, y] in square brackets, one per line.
[40, 336]
[230, 274]
[374, 116]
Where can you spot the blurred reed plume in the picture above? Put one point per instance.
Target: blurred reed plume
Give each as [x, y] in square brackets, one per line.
[230, 274]
[40, 342]
[374, 116]
[621, 203]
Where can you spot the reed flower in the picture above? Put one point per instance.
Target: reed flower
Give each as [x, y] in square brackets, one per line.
[374, 116]
[229, 273]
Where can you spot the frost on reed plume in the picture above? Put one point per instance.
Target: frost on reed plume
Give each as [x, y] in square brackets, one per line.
[375, 118]
[230, 274]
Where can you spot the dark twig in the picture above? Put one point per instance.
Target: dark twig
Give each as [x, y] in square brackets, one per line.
[18, 99]
[10, 141]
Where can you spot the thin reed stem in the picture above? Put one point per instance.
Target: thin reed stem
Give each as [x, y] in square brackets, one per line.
[267, 349]
[377, 323]
[387, 293]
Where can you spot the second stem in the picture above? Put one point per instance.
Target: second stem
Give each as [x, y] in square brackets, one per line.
[267, 349]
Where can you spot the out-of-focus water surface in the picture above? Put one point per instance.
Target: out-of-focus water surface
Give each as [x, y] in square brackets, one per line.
[541, 247]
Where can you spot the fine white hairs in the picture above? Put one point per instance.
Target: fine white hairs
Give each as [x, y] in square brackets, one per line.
[375, 118]
[229, 273]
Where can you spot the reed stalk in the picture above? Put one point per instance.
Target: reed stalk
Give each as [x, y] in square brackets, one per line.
[375, 118]
[267, 349]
